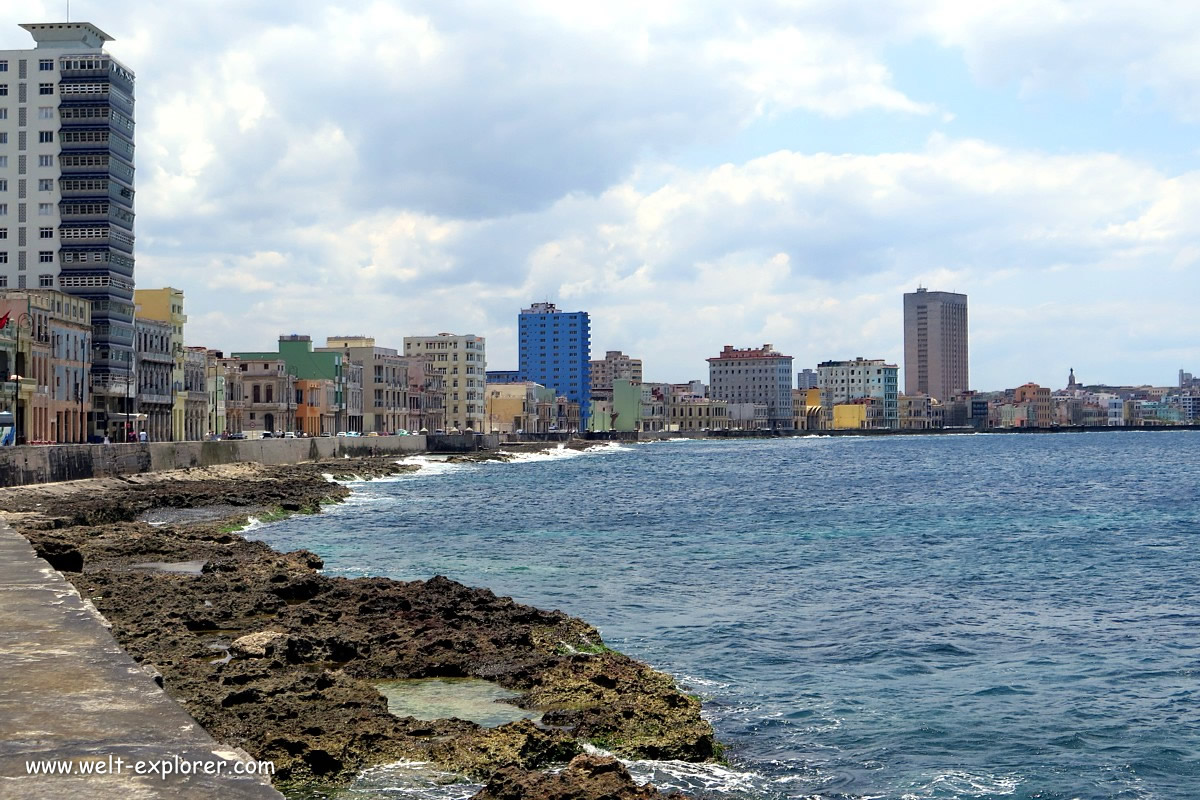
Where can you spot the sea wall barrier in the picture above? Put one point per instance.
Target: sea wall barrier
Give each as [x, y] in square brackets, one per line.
[81, 718]
[22, 466]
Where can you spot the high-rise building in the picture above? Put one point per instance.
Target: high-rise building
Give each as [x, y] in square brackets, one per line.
[66, 192]
[846, 382]
[384, 381]
[759, 376]
[806, 379]
[462, 361]
[614, 366]
[554, 350]
[935, 344]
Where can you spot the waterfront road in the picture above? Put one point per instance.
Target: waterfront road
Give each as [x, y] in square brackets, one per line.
[71, 700]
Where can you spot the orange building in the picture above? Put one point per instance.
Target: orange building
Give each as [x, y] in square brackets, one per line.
[316, 406]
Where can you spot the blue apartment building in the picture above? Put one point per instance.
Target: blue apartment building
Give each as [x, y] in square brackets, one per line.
[554, 349]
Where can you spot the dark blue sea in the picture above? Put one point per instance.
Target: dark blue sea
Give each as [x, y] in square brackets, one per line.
[976, 616]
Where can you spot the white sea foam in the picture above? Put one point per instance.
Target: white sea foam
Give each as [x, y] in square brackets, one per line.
[561, 452]
[965, 784]
[252, 523]
[685, 776]
[431, 466]
[701, 683]
[409, 779]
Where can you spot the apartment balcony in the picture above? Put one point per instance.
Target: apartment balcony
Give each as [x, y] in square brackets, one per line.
[98, 234]
[98, 189]
[90, 140]
[93, 68]
[71, 210]
[268, 408]
[113, 385]
[95, 165]
[153, 399]
[155, 358]
[85, 91]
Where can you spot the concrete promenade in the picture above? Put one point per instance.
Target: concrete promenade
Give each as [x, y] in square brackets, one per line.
[68, 693]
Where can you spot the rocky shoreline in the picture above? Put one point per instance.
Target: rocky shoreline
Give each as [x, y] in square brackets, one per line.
[275, 658]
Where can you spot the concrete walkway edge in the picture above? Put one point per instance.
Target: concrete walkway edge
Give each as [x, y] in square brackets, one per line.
[70, 695]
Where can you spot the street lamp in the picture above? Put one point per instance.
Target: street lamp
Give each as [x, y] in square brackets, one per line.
[23, 320]
[128, 397]
[212, 396]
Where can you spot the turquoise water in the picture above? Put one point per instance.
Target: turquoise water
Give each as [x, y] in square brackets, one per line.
[987, 616]
[477, 700]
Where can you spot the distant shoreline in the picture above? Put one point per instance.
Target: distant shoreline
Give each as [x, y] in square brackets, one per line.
[649, 436]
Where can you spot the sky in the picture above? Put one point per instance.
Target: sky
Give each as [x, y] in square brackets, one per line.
[693, 174]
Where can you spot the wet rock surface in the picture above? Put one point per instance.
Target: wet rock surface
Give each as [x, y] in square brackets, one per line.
[271, 656]
[585, 778]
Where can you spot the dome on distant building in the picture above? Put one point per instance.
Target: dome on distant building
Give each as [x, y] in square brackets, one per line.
[1071, 382]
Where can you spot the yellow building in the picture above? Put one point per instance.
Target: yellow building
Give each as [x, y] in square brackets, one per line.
[506, 407]
[849, 416]
[166, 305]
[807, 412]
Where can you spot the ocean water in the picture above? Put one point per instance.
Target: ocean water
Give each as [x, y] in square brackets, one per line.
[977, 616]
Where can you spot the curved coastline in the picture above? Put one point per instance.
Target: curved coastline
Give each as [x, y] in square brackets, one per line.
[272, 656]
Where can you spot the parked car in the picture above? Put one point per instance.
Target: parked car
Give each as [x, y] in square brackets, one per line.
[236, 436]
[373, 433]
[326, 434]
[268, 435]
[289, 435]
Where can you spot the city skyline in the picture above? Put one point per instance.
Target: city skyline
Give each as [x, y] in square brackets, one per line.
[710, 187]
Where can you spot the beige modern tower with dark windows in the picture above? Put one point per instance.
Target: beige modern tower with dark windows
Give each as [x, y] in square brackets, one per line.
[935, 344]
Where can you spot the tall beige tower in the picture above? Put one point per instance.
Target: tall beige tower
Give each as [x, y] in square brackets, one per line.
[935, 344]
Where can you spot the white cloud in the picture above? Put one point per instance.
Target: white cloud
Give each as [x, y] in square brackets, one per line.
[398, 168]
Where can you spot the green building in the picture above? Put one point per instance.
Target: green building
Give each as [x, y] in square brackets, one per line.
[296, 350]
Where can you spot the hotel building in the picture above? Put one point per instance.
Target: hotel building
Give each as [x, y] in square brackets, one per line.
[935, 344]
[462, 362]
[759, 376]
[66, 193]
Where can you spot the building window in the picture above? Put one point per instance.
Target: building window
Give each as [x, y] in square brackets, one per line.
[45, 64]
[45, 209]
[45, 184]
[45, 233]
[3, 233]
[3, 66]
[3, 281]
[45, 88]
[45, 136]
[3, 89]
[3, 183]
[3, 257]
[20, 281]
[3, 161]
[45, 112]
[43, 161]
[45, 281]
[45, 256]
[3, 209]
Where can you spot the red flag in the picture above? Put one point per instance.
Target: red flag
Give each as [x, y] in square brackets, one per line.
[4, 319]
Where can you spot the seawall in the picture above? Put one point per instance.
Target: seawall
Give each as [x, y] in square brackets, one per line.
[22, 466]
[69, 696]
